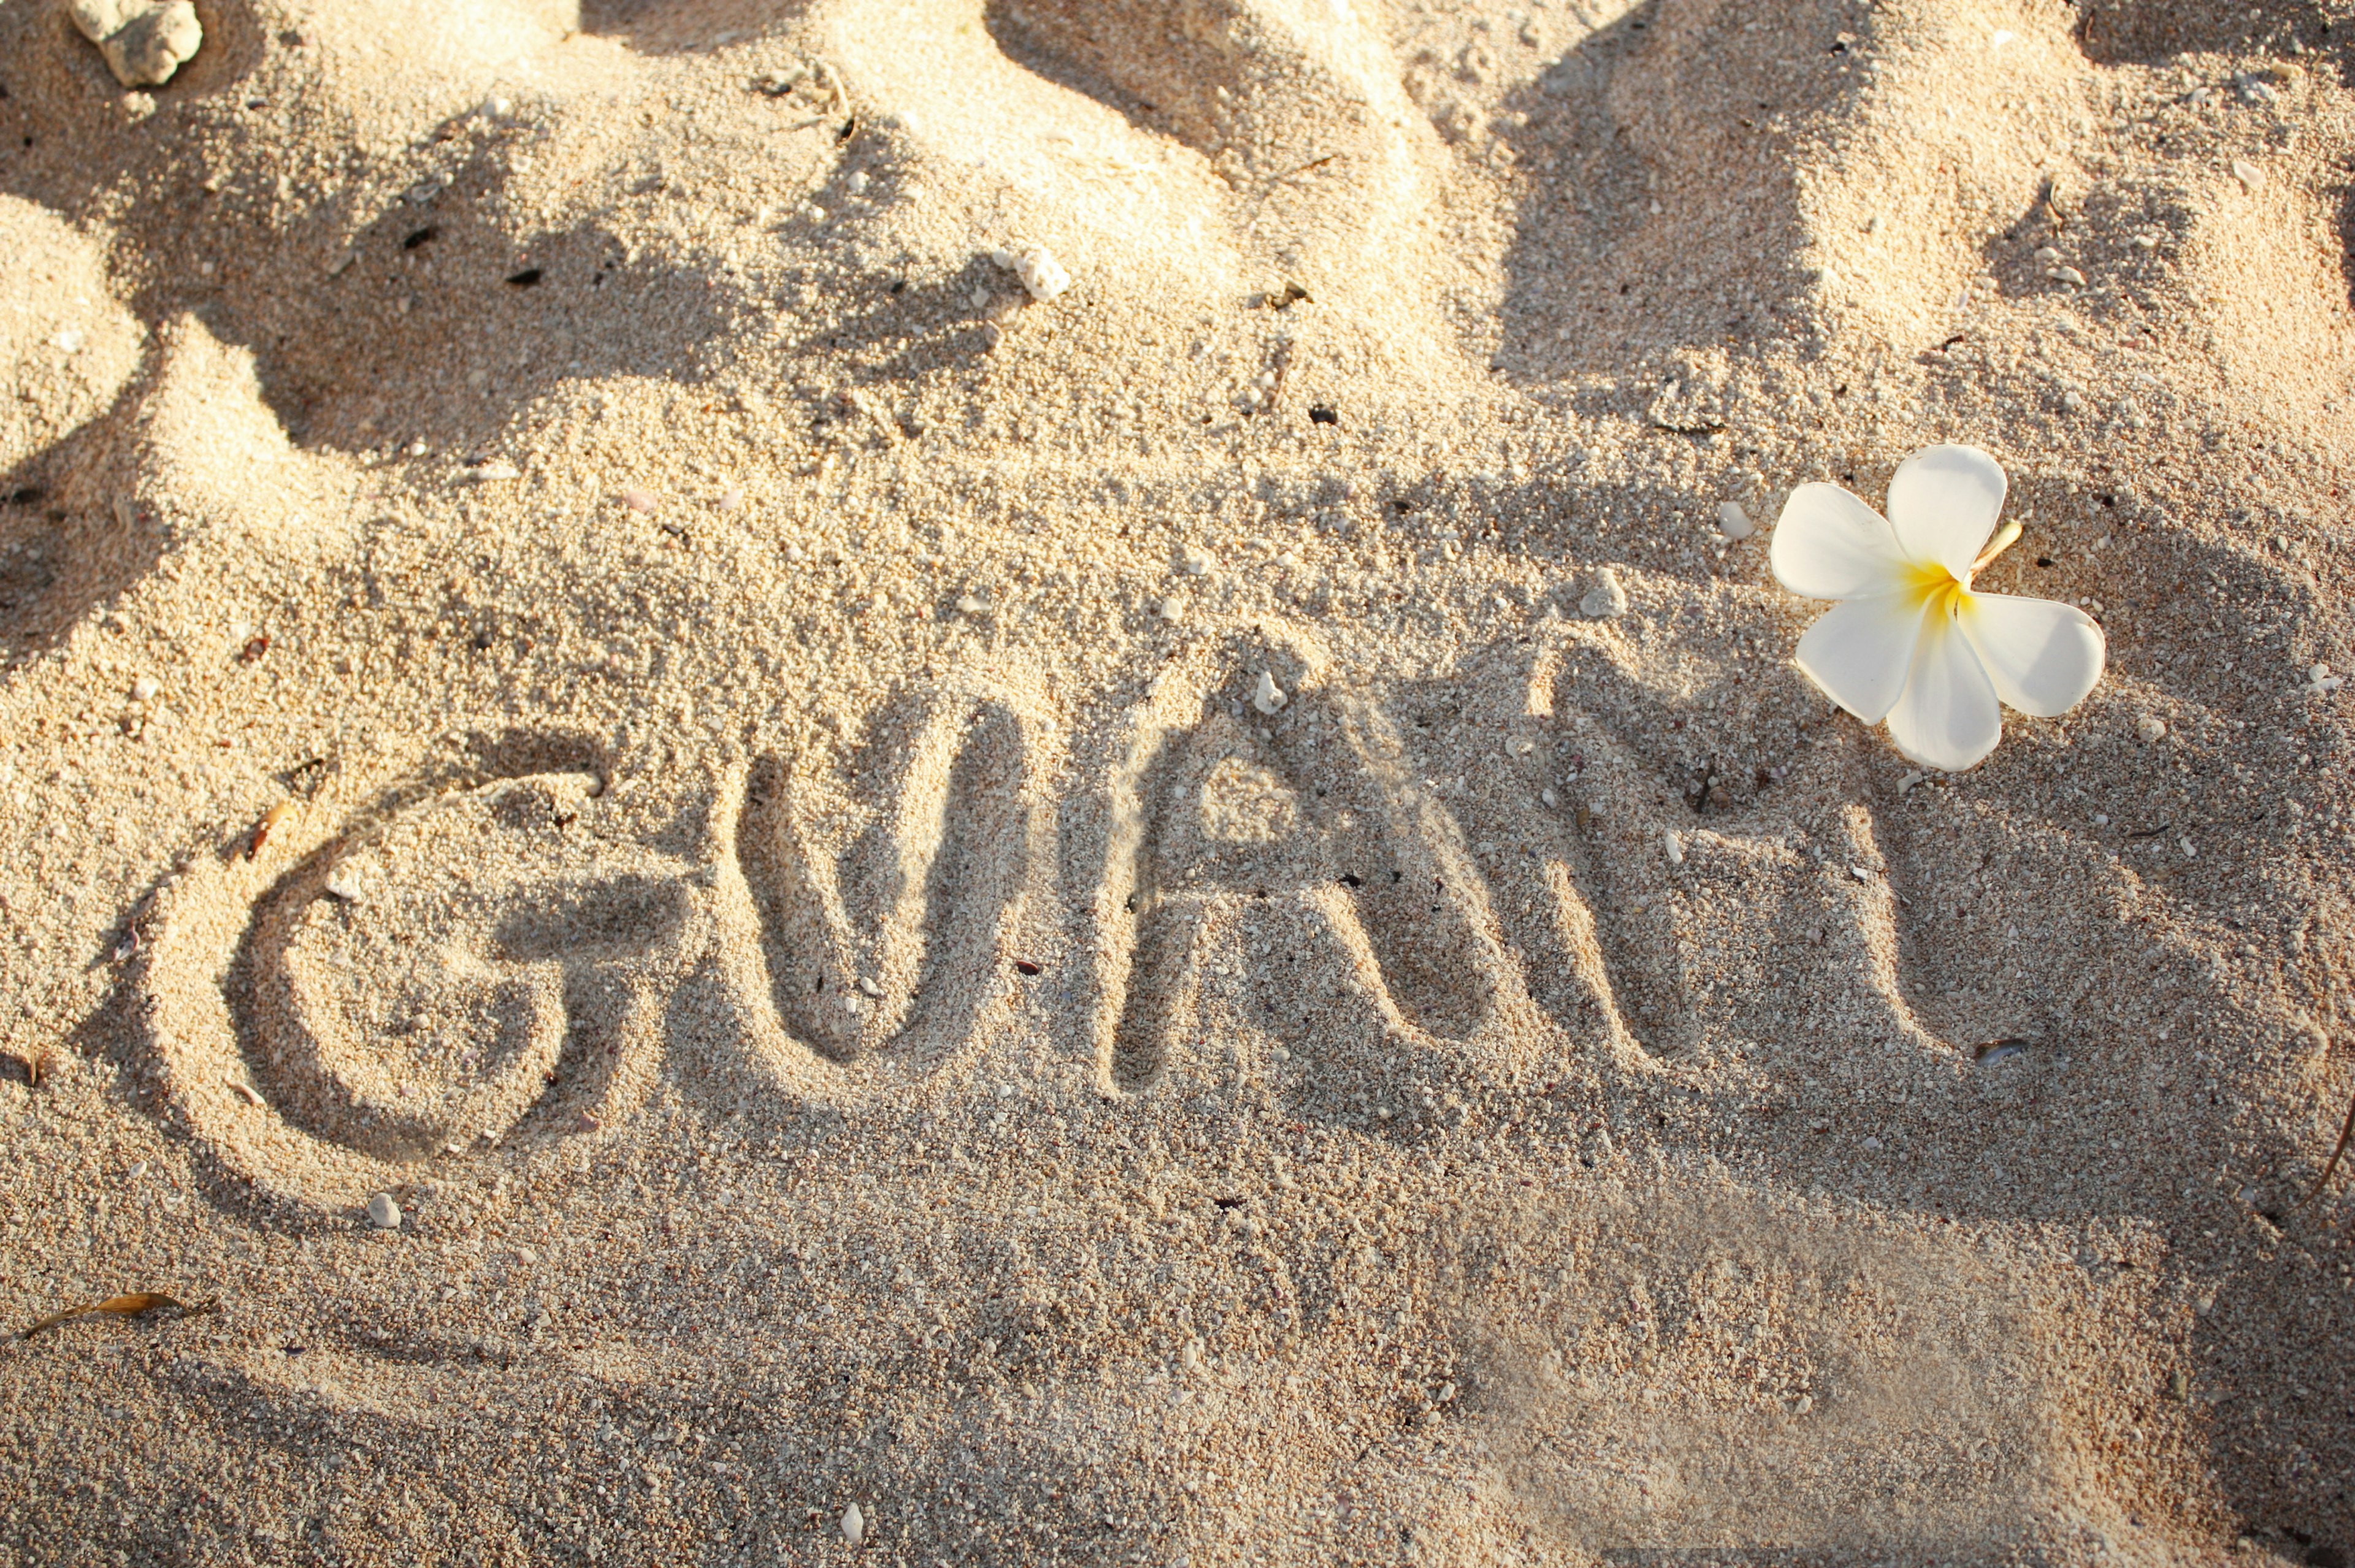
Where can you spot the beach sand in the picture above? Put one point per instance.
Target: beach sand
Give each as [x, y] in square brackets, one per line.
[706, 863]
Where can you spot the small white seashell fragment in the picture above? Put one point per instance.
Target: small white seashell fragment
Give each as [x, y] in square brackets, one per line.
[245, 1091]
[383, 1212]
[854, 1525]
[1267, 697]
[2251, 177]
[2151, 727]
[344, 882]
[1040, 273]
[639, 500]
[1606, 599]
[869, 987]
[1734, 522]
[1197, 561]
[1172, 609]
[145, 688]
[1548, 796]
[1674, 843]
[1905, 786]
[494, 473]
[968, 605]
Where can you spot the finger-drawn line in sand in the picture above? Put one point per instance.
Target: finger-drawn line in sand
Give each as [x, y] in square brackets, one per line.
[1317, 813]
[865, 911]
[431, 980]
[1694, 900]
[1380, 873]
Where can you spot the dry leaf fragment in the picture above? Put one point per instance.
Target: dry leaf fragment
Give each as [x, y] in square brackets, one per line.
[269, 825]
[130, 1306]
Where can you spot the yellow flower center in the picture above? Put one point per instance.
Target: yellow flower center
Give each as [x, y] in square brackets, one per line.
[1934, 585]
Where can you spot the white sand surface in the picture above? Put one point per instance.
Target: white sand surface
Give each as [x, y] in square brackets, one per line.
[1048, 916]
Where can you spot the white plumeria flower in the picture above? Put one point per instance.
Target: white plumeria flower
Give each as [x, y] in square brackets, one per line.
[1909, 641]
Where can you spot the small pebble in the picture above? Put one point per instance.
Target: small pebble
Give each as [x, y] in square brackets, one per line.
[854, 1525]
[145, 688]
[1734, 522]
[1171, 609]
[2069, 275]
[1040, 273]
[144, 41]
[344, 882]
[730, 500]
[857, 182]
[1267, 697]
[1606, 599]
[1675, 843]
[1871, 1145]
[1197, 561]
[2251, 177]
[638, 500]
[383, 1212]
[1549, 797]
[2151, 727]
[968, 605]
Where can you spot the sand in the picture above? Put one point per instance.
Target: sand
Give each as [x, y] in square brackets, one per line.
[1044, 914]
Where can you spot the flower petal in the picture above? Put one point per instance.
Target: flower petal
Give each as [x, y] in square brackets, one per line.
[2043, 657]
[1859, 651]
[1828, 544]
[1947, 717]
[1942, 501]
